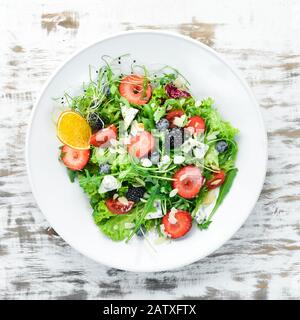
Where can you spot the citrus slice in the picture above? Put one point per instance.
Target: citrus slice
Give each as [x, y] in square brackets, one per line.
[73, 130]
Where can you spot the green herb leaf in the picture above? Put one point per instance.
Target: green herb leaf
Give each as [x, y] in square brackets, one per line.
[224, 189]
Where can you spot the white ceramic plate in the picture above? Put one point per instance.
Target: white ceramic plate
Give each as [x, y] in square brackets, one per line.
[67, 208]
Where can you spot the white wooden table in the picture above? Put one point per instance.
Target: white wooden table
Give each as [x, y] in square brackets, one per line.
[262, 261]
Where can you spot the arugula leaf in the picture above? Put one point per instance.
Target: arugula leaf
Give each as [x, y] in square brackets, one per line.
[148, 118]
[224, 189]
[147, 208]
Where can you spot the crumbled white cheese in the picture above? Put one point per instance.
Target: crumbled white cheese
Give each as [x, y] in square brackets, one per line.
[179, 121]
[178, 159]
[109, 183]
[172, 218]
[173, 193]
[157, 213]
[129, 225]
[200, 215]
[128, 115]
[189, 144]
[164, 162]
[145, 162]
[200, 151]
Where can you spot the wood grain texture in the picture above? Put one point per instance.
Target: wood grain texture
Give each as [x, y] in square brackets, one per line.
[262, 261]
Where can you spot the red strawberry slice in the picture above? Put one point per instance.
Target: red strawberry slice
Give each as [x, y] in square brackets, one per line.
[188, 181]
[74, 159]
[132, 88]
[117, 207]
[172, 115]
[216, 181]
[182, 225]
[196, 124]
[141, 144]
[103, 136]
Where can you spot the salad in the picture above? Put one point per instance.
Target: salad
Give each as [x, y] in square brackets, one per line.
[147, 153]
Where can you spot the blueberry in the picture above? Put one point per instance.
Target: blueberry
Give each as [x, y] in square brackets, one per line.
[154, 157]
[135, 193]
[162, 124]
[221, 146]
[106, 91]
[95, 122]
[104, 168]
[141, 231]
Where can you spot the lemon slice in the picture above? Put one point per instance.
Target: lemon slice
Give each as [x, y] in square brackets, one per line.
[73, 130]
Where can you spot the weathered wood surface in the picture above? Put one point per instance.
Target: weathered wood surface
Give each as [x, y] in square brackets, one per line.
[262, 261]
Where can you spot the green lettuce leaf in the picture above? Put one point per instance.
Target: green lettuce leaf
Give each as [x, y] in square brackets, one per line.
[114, 225]
[211, 158]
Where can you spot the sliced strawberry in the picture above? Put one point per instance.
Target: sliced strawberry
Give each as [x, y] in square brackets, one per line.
[74, 159]
[188, 181]
[117, 207]
[216, 181]
[196, 124]
[141, 144]
[182, 225]
[103, 136]
[172, 115]
[132, 88]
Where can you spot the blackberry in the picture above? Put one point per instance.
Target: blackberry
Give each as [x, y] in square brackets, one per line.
[221, 146]
[104, 168]
[163, 124]
[141, 231]
[95, 122]
[174, 138]
[154, 157]
[135, 193]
